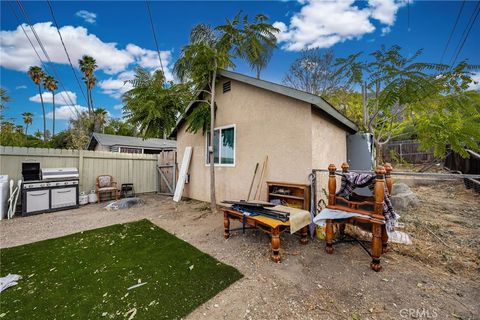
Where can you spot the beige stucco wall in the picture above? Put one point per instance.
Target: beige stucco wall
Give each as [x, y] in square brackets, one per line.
[329, 142]
[266, 124]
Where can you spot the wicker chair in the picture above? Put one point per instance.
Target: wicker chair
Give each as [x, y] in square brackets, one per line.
[105, 184]
[370, 209]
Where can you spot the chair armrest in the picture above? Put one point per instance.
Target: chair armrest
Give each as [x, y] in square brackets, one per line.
[114, 183]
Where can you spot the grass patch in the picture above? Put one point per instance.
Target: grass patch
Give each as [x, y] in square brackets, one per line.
[86, 275]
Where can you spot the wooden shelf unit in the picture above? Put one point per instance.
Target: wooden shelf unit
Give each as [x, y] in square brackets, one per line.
[298, 196]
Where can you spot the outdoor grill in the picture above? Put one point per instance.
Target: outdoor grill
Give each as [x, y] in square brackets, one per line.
[31, 170]
[54, 189]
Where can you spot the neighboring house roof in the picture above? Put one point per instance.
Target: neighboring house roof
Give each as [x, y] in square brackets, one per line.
[316, 101]
[110, 140]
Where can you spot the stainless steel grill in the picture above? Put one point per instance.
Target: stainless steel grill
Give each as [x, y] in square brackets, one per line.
[57, 190]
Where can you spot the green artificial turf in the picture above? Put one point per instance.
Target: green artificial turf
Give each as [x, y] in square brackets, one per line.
[86, 275]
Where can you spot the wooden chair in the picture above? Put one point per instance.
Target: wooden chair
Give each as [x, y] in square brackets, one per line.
[370, 209]
[105, 184]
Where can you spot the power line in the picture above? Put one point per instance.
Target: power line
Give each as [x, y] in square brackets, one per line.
[65, 48]
[33, 47]
[35, 50]
[453, 30]
[25, 32]
[154, 36]
[466, 32]
[22, 9]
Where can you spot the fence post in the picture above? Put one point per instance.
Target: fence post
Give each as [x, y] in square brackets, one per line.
[80, 169]
[157, 180]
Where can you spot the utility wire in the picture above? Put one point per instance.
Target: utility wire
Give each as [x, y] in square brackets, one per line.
[65, 49]
[453, 30]
[154, 35]
[466, 33]
[25, 14]
[33, 47]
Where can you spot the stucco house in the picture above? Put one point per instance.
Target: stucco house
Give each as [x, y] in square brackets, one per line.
[116, 143]
[255, 118]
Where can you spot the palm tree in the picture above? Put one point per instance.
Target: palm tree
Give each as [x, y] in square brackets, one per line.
[37, 75]
[3, 98]
[88, 66]
[27, 119]
[211, 49]
[50, 84]
[100, 119]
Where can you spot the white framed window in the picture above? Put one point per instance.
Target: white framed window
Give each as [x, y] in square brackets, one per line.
[223, 147]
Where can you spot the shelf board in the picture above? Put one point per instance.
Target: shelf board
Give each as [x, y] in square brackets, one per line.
[286, 196]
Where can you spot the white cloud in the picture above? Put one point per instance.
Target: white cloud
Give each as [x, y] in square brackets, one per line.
[386, 30]
[148, 59]
[385, 11]
[66, 112]
[21, 87]
[118, 107]
[62, 97]
[322, 23]
[115, 87]
[16, 52]
[475, 85]
[87, 16]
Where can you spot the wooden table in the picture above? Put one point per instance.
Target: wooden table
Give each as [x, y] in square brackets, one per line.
[270, 226]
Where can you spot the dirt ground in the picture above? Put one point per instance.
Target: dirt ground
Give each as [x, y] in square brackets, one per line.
[435, 278]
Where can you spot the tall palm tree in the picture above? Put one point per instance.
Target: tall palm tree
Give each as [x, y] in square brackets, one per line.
[50, 84]
[27, 119]
[100, 119]
[37, 75]
[211, 49]
[87, 66]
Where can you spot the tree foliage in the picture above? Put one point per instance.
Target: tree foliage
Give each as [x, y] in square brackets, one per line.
[4, 98]
[321, 73]
[449, 121]
[397, 86]
[153, 107]
[211, 49]
[120, 127]
[50, 84]
[38, 75]
[88, 65]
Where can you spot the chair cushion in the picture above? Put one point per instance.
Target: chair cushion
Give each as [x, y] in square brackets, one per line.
[104, 181]
[106, 189]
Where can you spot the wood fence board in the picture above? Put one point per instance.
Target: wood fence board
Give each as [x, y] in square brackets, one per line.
[139, 169]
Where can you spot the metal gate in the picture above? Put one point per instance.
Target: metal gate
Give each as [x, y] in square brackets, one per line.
[167, 172]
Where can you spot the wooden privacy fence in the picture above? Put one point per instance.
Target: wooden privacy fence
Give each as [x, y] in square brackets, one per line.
[139, 169]
[406, 150]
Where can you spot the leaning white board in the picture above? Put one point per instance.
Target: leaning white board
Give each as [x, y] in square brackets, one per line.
[183, 174]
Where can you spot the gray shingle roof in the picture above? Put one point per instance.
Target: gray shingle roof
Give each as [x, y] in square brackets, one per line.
[113, 140]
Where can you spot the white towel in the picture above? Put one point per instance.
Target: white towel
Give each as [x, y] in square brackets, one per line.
[9, 281]
[333, 214]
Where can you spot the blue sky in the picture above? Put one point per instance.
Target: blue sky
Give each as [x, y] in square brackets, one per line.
[118, 35]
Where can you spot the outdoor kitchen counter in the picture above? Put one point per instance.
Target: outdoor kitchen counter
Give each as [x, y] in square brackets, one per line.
[268, 225]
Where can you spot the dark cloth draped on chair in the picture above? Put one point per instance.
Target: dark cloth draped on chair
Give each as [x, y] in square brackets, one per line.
[352, 180]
